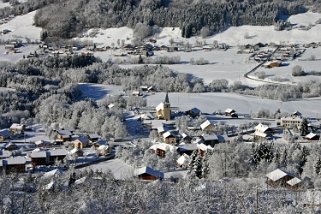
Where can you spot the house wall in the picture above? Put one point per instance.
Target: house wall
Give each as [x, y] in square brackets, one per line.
[38, 161]
[160, 153]
[170, 140]
[15, 168]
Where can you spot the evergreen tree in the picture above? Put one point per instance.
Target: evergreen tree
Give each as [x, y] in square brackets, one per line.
[304, 129]
[317, 167]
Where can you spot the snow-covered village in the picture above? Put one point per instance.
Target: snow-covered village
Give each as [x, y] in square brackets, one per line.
[166, 106]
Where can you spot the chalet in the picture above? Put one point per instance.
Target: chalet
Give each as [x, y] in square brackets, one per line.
[183, 160]
[93, 137]
[57, 155]
[296, 114]
[14, 165]
[63, 135]
[312, 136]
[294, 183]
[99, 143]
[163, 110]
[169, 138]
[272, 64]
[262, 132]
[229, 112]
[103, 150]
[151, 89]
[144, 88]
[207, 126]
[148, 174]
[17, 129]
[81, 142]
[137, 93]
[47, 157]
[39, 158]
[210, 139]
[4, 135]
[278, 178]
[43, 143]
[161, 149]
[187, 149]
[76, 152]
[194, 112]
[290, 122]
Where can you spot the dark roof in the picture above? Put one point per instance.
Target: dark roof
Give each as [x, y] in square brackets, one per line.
[166, 98]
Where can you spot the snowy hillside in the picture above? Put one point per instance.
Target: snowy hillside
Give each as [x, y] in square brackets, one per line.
[21, 27]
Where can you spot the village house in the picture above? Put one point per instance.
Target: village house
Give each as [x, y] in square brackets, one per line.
[272, 64]
[4, 135]
[294, 184]
[160, 149]
[229, 112]
[81, 142]
[148, 174]
[17, 129]
[63, 135]
[76, 152]
[10, 146]
[186, 138]
[210, 139]
[104, 150]
[203, 149]
[278, 178]
[290, 122]
[93, 137]
[207, 126]
[57, 155]
[13, 165]
[43, 143]
[194, 112]
[163, 110]
[47, 157]
[169, 138]
[187, 149]
[262, 132]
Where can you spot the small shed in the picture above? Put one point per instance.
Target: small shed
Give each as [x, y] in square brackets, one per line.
[207, 126]
[278, 178]
[169, 137]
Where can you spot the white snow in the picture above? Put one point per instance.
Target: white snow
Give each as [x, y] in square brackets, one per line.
[3, 5]
[99, 91]
[22, 27]
[210, 102]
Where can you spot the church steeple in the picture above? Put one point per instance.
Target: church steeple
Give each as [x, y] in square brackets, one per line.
[166, 98]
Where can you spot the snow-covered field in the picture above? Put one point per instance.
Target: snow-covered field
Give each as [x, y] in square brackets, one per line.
[210, 102]
[99, 91]
[308, 65]
[232, 36]
[21, 27]
[222, 65]
[14, 57]
[3, 5]
[117, 167]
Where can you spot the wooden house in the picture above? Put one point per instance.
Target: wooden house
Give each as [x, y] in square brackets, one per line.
[104, 150]
[210, 139]
[278, 178]
[93, 137]
[39, 157]
[57, 155]
[148, 174]
[4, 135]
[194, 112]
[186, 138]
[17, 129]
[207, 126]
[294, 184]
[183, 161]
[312, 136]
[63, 135]
[229, 112]
[81, 142]
[160, 149]
[169, 138]
[262, 132]
[10, 146]
[14, 165]
[187, 149]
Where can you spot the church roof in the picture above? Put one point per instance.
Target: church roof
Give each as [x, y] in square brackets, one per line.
[166, 98]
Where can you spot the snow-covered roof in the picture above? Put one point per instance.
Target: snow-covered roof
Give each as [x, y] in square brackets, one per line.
[49, 186]
[38, 154]
[58, 152]
[52, 173]
[294, 181]
[93, 136]
[101, 142]
[103, 147]
[168, 134]
[149, 171]
[64, 133]
[183, 159]
[276, 175]
[111, 105]
[209, 137]
[187, 147]
[42, 142]
[82, 139]
[16, 160]
[5, 153]
[195, 110]
[160, 106]
[229, 110]
[204, 147]
[17, 126]
[5, 133]
[260, 134]
[206, 124]
[297, 119]
[261, 128]
[162, 146]
[81, 180]
[311, 135]
[161, 129]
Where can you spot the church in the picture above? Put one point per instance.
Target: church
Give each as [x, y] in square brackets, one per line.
[163, 110]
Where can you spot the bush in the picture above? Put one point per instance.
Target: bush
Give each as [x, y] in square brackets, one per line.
[298, 71]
